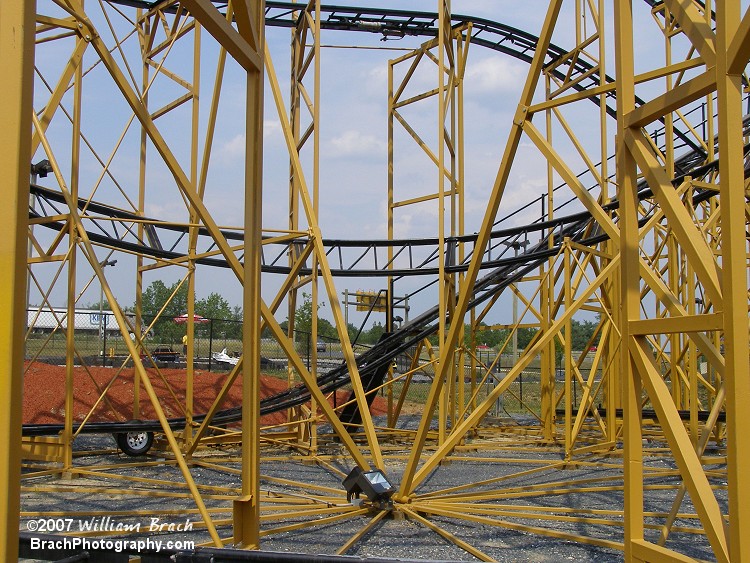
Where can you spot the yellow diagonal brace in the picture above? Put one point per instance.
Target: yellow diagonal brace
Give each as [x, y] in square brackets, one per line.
[647, 551]
[673, 305]
[320, 252]
[129, 343]
[186, 188]
[532, 351]
[583, 195]
[447, 535]
[685, 456]
[699, 253]
[59, 91]
[218, 26]
[673, 100]
[738, 53]
[181, 179]
[695, 26]
[483, 237]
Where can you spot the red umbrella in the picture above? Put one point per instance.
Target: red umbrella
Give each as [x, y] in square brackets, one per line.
[197, 319]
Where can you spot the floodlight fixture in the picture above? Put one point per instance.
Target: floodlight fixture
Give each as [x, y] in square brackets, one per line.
[41, 169]
[372, 483]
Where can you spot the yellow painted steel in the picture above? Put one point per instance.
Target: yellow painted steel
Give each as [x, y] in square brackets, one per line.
[16, 66]
[669, 286]
[250, 16]
[734, 261]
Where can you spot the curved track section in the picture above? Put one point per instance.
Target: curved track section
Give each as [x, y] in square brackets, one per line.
[114, 228]
[580, 228]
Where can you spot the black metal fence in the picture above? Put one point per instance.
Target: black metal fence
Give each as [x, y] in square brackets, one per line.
[217, 343]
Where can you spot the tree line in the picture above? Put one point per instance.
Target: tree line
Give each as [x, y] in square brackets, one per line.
[226, 322]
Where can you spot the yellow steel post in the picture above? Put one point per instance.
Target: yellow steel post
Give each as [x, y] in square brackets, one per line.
[446, 371]
[316, 211]
[630, 280]
[568, 350]
[146, 31]
[16, 68]
[67, 434]
[483, 237]
[194, 180]
[733, 45]
[297, 69]
[251, 25]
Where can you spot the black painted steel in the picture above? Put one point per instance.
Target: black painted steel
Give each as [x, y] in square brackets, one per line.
[579, 227]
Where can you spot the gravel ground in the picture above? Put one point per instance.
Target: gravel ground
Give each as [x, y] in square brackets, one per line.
[91, 496]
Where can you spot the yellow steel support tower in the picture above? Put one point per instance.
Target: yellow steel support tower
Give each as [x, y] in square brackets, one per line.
[669, 285]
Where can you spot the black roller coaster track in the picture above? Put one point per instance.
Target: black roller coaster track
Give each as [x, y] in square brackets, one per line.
[394, 24]
[579, 227]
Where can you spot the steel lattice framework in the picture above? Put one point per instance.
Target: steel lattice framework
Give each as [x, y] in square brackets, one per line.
[653, 241]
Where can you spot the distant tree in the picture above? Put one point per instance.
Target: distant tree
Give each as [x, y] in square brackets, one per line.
[582, 333]
[303, 322]
[525, 335]
[218, 311]
[155, 297]
[237, 313]
[373, 335]
[214, 307]
[235, 326]
[94, 306]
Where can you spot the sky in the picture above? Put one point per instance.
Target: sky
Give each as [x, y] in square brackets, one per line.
[353, 141]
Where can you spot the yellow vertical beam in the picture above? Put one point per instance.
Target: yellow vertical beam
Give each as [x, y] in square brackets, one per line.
[547, 297]
[298, 36]
[316, 211]
[611, 290]
[143, 147]
[443, 20]
[734, 277]
[16, 68]
[483, 238]
[459, 190]
[390, 198]
[194, 180]
[247, 507]
[75, 169]
[630, 280]
[568, 299]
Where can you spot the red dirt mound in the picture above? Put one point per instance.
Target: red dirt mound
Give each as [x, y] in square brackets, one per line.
[44, 393]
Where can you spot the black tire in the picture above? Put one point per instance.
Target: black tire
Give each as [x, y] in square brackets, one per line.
[135, 443]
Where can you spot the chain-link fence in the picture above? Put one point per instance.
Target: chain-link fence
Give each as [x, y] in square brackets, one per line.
[217, 345]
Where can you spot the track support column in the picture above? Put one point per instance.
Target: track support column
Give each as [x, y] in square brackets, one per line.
[250, 22]
[17, 68]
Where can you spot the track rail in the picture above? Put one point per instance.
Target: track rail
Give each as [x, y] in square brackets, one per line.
[115, 228]
[579, 228]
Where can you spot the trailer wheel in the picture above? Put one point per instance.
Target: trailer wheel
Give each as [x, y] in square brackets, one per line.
[134, 443]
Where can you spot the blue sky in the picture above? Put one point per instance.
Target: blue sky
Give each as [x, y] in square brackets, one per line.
[353, 141]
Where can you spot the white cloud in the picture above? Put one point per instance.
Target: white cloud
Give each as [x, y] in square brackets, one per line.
[234, 147]
[271, 128]
[496, 75]
[355, 143]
